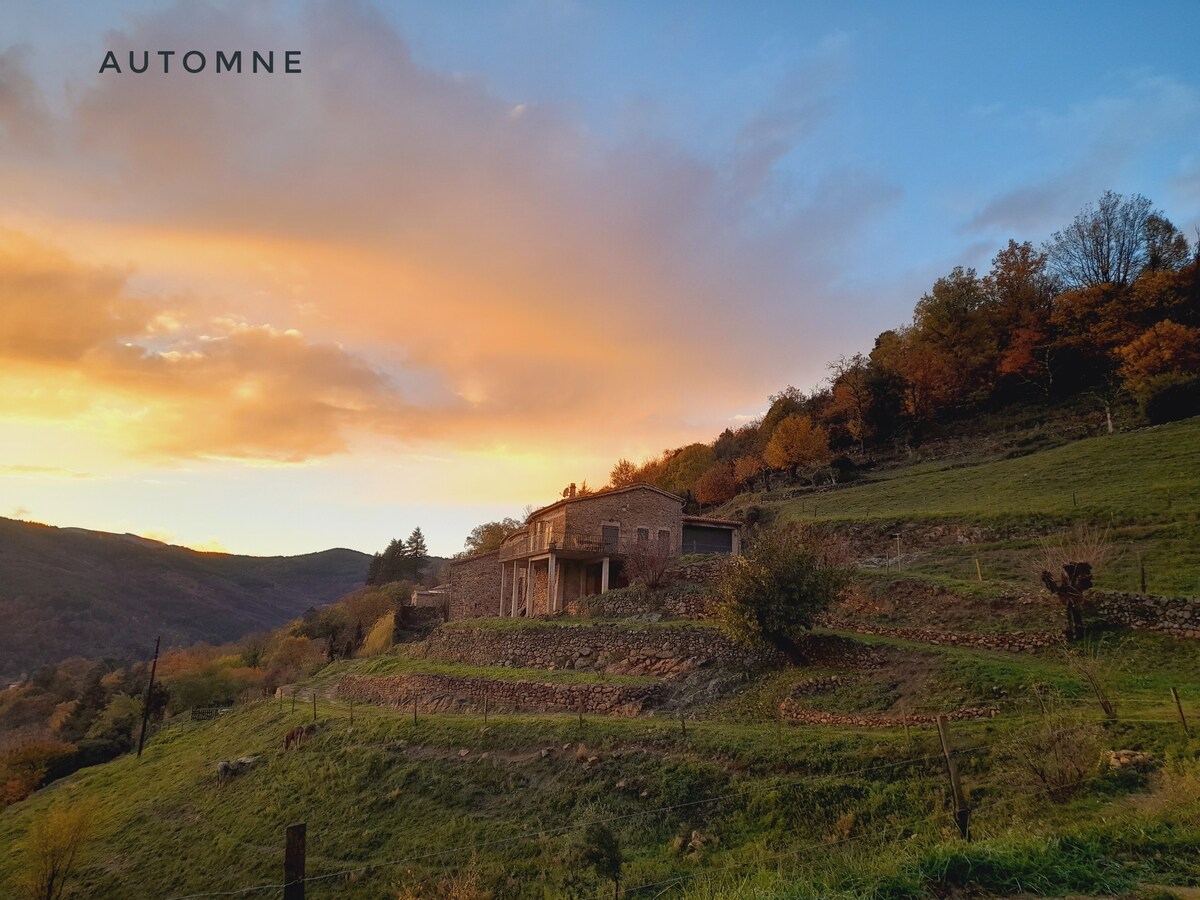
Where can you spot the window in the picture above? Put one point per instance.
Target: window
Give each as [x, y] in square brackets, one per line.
[664, 536]
[643, 536]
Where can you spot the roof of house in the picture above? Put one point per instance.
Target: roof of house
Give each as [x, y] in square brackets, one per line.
[709, 520]
[604, 492]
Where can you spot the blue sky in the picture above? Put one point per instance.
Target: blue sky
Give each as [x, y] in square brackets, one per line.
[463, 217]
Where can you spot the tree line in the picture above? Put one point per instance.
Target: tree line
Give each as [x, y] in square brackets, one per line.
[1104, 315]
[400, 560]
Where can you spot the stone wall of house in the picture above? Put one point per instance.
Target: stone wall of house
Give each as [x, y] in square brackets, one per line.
[1016, 641]
[1179, 616]
[475, 586]
[632, 509]
[612, 649]
[453, 693]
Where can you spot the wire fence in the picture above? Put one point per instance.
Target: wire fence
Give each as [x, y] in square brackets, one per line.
[760, 858]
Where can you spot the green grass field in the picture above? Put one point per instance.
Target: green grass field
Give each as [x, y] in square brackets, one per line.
[784, 811]
[1143, 485]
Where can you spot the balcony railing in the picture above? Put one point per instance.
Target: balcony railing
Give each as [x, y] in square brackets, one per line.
[569, 541]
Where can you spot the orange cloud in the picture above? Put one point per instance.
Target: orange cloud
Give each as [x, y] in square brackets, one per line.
[374, 248]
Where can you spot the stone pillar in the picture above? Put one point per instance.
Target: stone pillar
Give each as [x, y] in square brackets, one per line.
[551, 593]
[604, 576]
[528, 588]
[512, 609]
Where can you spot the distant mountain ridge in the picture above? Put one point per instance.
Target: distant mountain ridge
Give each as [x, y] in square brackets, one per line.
[72, 592]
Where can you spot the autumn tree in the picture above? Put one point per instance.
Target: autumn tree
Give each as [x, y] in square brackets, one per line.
[1165, 348]
[716, 485]
[748, 468]
[852, 397]
[951, 322]
[623, 474]
[490, 535]
[1021, 294]
[684, 468]
[797, 443]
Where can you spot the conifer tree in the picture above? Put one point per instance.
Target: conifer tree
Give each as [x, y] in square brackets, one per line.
[416, 553]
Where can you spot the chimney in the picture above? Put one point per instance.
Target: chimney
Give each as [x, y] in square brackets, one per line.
[572, 489]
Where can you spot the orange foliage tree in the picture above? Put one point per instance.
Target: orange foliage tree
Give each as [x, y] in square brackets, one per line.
[797, 443]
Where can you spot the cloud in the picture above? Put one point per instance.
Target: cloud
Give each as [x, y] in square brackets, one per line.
[432, 267]
[1099, 145]
[27, 471]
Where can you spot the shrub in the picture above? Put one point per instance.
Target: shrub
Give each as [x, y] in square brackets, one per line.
[51, 849]
[1169, 398]
[788, 577]
[1058, 754]
[379, 638]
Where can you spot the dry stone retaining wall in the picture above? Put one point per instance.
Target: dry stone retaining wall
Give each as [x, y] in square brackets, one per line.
[629, 603]
[614, 649]
[792, 712]
[1179, 616]
[452, 693]
[1016, 641]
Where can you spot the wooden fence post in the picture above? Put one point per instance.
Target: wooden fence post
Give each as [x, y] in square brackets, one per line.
[1182, 717]
[978, 570]
[293, 863]
[485, 708]
[351, 712]
[962, 815]
[314, 706]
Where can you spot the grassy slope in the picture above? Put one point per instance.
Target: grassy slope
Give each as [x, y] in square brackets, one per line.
[1144, 484]
[387, 789]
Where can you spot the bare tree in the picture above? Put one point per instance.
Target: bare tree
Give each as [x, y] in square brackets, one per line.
[1059, 754]
[1096, 664]
[1110, 242]
[648, 562]
[1067, 564]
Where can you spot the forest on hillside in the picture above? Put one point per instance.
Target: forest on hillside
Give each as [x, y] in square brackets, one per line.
[1103, 317]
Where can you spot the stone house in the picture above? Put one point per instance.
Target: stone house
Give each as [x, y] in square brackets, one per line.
[577, 547]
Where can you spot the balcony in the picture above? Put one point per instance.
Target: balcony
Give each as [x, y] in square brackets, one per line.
[568, 542]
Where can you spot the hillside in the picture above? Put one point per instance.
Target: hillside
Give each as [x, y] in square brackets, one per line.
[1143, 485]
[740, 803]
[70, 592]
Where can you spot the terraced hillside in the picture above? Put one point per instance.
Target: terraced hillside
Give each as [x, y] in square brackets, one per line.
[1143, 485]
[735, 782]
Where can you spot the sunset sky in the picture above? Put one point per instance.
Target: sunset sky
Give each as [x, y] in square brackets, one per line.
[476, 251]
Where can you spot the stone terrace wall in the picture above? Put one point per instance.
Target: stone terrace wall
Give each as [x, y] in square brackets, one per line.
[698, 571]
[450, 693]
[669, 603]
[475, 586]
[1172, 615]
[790, 711]
[1016, 641]
[612, 649]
